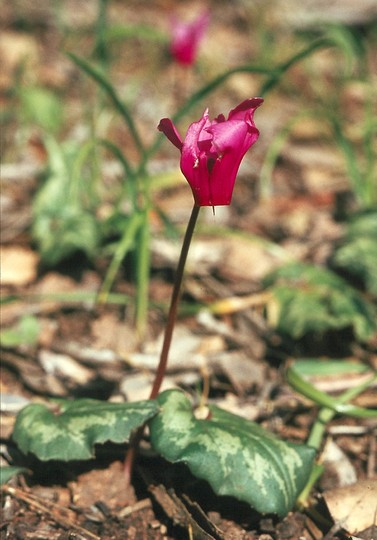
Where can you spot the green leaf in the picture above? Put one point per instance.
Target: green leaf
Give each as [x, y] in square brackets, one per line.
[312, 367]
[64, 219]
[40, 106]
[348, 42]
[357, 254]
[273, 76]
[6, 473]
[139, 31]
[99, 77]
[125, 244]
[237, 457]
[296, 378]
[70, 431]
[311, 299]
[24, 333]
[62, 233]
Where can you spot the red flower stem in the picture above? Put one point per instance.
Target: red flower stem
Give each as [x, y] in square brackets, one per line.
[172, 315]
[174, 303]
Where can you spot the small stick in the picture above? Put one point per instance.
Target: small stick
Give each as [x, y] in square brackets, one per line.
[39, 506]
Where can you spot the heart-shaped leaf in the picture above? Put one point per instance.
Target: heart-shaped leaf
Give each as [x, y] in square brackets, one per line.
[237, 457]
[71, 430]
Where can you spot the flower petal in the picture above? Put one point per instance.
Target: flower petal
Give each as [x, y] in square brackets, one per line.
[190, 149]
[245, 110]
[211, 152]
[186, 37]
[170, 131]
[200, 182]
[228, 135]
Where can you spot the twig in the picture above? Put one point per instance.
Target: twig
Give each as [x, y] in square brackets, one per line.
[40, 505]
[140, 505]
[371, 463]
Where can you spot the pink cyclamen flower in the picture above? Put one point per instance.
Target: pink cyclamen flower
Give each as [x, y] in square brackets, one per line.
[213, 150]
[186, 37]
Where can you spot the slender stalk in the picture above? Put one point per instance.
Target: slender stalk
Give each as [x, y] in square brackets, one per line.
[143, 274]
[172, 315]
[174, 304]
[326, 414]
[123, 247]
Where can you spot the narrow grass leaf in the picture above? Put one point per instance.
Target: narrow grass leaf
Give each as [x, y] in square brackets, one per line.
[105, 84]
[117, 32]
[143, 272]
[337, 405]
[126, 243]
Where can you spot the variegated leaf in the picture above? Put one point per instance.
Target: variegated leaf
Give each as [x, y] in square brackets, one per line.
[237, 457]
[71, 430]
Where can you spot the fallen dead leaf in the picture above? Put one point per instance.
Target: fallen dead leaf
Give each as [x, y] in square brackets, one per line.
[354, 507]
[188, 351]
[15, 48]
[18, 265]
[137, 386]
[243, 372]
[111, 333]
[62, 365]
[246, 260]
[339, 470]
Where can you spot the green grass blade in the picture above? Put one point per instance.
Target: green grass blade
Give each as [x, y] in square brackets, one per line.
[273, 78]
[273, 153]
[118, 32]
[215, 83]
[124, 245]
[114, 149]
[102, 81]
[279, 71]
[335, 404]
[130, 183]
[143, 271]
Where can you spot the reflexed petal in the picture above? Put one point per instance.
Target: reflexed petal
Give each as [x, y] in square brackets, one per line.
[170, 131]
[245, 110]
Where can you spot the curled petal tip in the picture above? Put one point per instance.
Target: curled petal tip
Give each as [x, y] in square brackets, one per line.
[167, 127]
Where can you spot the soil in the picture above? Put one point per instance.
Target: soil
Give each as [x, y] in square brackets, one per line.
[86, 349]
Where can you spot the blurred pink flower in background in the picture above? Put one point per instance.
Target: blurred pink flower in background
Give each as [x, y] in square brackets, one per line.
[213, 150]
[186, 36]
